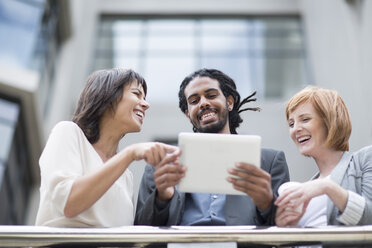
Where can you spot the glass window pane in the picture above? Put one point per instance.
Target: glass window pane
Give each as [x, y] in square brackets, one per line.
[6, 134]
[163, 86]
[280, 23]
[224, 43]
[127, 62]
[2, 170]
[9, 111]
[280, 81]
[236, 68]
[170, 26]
[19, 26]
[103, 63]
[170, 43]
[247, 49]
[224, 27]
[129, 43]
[125, 27]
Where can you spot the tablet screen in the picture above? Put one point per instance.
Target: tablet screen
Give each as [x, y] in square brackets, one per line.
[208, 156]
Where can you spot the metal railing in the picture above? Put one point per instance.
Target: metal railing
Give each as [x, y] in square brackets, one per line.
[147, 236]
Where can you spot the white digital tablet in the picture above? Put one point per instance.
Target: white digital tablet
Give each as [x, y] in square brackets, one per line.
[208, 156]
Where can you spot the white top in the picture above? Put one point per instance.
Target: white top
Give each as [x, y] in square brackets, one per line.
[316, 212]
[67, 156]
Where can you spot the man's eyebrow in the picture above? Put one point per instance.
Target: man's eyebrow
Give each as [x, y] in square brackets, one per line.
[193, 95]
[206, 91]
[210, 89]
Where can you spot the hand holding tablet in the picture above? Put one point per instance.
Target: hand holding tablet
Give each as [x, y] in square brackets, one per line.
[209, 156]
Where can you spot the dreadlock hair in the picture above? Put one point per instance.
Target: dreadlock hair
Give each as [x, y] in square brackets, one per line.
[103, 90]
[228, 88]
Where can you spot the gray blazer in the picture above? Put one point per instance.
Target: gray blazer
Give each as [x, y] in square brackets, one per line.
[239, 209]
[354, 173]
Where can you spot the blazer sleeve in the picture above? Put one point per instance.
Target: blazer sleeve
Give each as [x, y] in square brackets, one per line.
[358, 209]
[145, 212]
[151, 211]
[274, 162]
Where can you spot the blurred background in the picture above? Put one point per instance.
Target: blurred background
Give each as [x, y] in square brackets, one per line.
[49, 47]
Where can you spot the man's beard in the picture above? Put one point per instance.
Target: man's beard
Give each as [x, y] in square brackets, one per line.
[215, 127]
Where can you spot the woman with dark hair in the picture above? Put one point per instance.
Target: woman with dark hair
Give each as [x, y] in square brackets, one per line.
[341, 192]
[84, 178]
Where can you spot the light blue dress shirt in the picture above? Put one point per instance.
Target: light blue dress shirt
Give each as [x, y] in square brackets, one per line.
[204, 209]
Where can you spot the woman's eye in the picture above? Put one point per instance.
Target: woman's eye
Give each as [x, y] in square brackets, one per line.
[305, 119]
[290, 124]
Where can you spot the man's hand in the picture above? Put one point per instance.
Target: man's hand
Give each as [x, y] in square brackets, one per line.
[253, 181]
[168, 173]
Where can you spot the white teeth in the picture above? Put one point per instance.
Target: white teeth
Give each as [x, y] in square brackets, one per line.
[207, 115]
[140, 114]
[303, 138]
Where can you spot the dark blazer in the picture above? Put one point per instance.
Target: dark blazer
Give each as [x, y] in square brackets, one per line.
[239, 209]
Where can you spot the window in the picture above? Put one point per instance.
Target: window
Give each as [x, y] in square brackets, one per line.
[15, 177]
[260, 53]
[31, 38]
[19, 26]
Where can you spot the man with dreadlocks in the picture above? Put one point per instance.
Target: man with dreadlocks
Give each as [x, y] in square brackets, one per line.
[211, 102]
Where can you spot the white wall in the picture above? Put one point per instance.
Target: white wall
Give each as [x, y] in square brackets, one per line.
[74, 63]
[339, 35]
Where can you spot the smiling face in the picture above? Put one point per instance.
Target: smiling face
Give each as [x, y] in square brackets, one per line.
[130, 110]
[207, 107]
[307, 130]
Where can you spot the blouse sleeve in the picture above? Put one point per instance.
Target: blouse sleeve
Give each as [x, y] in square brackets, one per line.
[60, 163]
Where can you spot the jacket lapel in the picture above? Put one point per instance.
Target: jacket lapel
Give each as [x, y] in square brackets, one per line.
[337, 175]
[339, 171]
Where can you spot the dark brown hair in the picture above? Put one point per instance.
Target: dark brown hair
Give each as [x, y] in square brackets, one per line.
[103, 90]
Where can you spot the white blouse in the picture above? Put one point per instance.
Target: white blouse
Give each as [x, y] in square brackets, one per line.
[316, 212]
[67, 156]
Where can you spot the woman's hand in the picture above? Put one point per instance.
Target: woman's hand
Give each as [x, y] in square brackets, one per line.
[288, 216]
[164, 158]
[301, 193]
[292, 203]
[152, 152]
